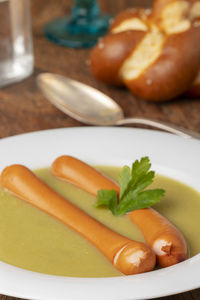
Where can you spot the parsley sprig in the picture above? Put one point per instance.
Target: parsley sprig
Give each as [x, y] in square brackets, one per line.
[133, 193]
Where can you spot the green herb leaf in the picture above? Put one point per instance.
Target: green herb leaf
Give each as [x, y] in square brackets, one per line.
[142, 200]
[124, 180]
[133, 195]
[107, 198]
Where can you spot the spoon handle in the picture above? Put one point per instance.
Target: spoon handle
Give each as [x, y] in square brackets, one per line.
[160, 125]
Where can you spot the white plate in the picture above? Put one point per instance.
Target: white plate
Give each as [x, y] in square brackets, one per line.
[170, 155]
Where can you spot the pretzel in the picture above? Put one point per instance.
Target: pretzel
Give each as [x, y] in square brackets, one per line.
[194, 89]
[155, 53]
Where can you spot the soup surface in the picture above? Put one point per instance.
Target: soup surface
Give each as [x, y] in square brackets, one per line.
[33, 240]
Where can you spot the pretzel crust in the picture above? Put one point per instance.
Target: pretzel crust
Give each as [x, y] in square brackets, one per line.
[172, 72]
[109, 54]
[155, 53]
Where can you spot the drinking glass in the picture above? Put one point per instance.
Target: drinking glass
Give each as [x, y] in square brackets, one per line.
[82, 28]
[16, 55]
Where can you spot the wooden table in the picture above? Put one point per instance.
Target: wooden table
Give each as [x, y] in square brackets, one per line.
[24, 109]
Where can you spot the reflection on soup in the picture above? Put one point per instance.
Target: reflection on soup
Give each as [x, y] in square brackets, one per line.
[33, 240]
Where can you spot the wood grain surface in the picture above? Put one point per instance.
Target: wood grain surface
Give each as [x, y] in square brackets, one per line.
[24, 109]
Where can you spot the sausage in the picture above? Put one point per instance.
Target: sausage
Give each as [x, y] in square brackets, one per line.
[128, 256]
[163, 237]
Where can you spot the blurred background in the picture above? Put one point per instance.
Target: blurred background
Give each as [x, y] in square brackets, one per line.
[23, 105]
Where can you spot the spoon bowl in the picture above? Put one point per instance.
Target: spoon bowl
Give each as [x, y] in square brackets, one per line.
[90, 106]
[77, 100]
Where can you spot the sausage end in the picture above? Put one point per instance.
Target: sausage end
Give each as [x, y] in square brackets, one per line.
[134, 258]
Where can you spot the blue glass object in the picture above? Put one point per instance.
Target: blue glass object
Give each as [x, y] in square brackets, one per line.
[81, 29]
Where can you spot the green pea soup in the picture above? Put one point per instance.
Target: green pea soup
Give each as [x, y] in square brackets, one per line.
[33, 240]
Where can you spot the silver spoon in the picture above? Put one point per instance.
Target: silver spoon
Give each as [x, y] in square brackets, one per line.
[90, 106]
